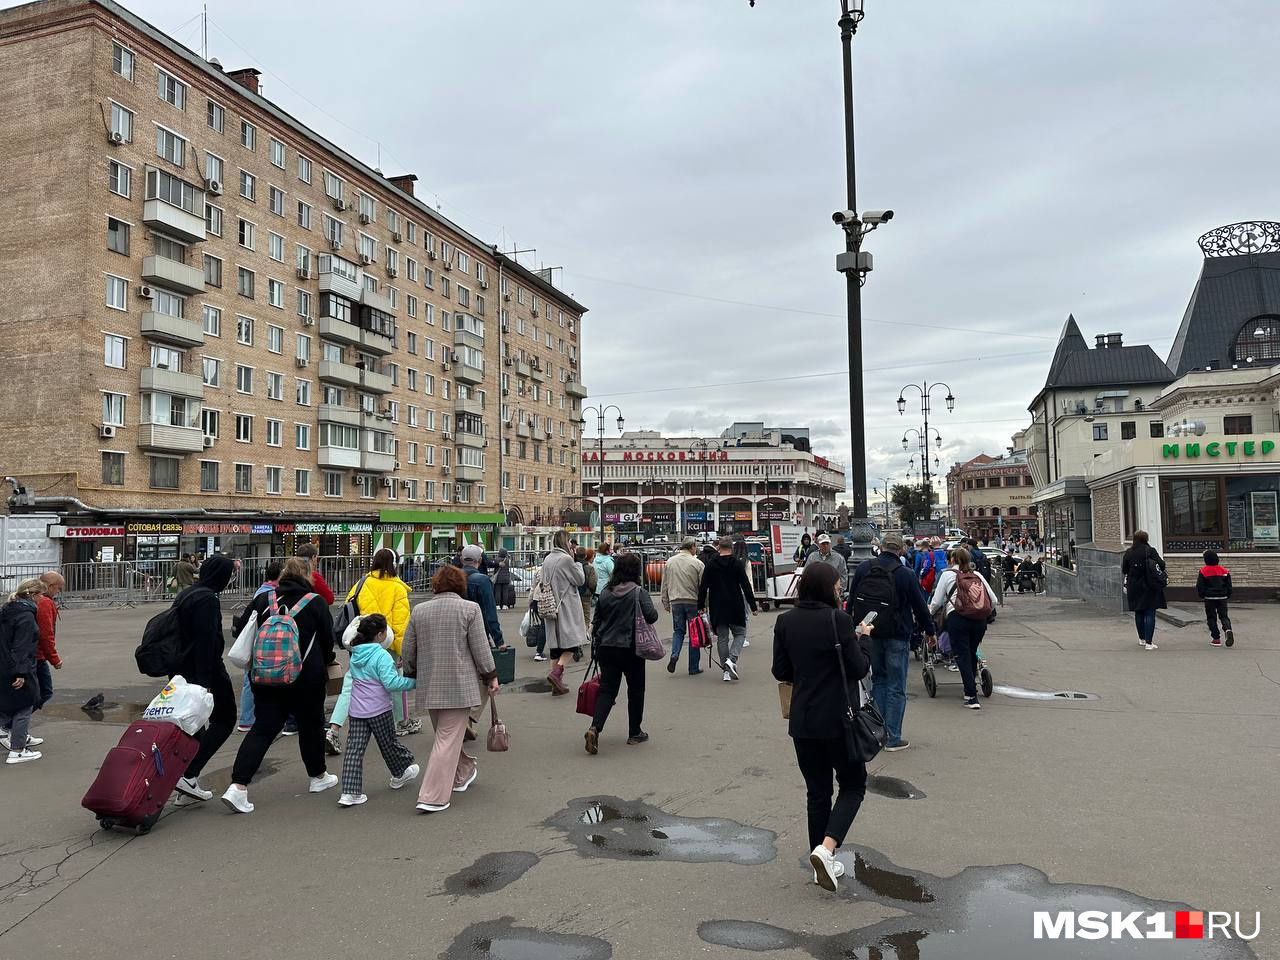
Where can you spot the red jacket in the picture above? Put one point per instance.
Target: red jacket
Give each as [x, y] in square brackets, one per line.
[47, 621]
[322, 588]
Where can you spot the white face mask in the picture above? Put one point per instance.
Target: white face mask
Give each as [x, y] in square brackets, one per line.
[385, 640]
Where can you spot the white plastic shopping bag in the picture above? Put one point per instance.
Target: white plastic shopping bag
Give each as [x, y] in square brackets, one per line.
[525, 624]
[185, 705]
[241, 651]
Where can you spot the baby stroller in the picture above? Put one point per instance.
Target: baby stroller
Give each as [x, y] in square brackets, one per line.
[1025, 578]
[937, 655]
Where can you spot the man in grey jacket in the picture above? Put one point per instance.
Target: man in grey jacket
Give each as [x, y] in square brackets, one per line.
[824, 554]
[681, 577]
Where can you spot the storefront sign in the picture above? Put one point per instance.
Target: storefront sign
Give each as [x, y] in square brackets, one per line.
[737, 515]
[621, 517]
[1218, 448]
[332, 529]
[82, 533]
[218, 529]
[149, 527]
[696, 515]
[108, 555]
[267, 528]
[647, 455]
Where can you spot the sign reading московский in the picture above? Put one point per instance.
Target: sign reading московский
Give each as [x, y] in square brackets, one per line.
[1218, 448]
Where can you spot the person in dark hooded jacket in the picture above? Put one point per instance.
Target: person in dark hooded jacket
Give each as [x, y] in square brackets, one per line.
[19, 684]
[303, 698]
[200, 617]
[726, 585]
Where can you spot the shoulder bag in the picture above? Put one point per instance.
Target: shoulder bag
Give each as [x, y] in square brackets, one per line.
[648, 643]
[589, 691]
[499, 741]
[864, 730]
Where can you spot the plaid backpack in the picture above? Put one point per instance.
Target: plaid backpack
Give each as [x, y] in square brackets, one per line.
[276, 661]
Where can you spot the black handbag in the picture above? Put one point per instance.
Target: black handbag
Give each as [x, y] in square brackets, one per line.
[864, 730]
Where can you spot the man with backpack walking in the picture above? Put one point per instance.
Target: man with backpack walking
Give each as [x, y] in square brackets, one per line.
[968, 601]
[884, 586]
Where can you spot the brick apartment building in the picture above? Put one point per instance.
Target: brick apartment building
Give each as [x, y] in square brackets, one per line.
[217, 323]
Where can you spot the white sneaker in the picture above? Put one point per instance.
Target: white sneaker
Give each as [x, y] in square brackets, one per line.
[745, 644]
[731, 667]
[190, 787]
[1150, 646]
[727, 678]
[433, 807]
[410, 774]
[839, 871]
[34, 741]
[824, 866]
[351, 799]
[23, 756]
[237, 800]
[539, 658]
[462, 787]
[322, 783]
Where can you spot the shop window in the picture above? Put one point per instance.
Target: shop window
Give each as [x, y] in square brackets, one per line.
[1128, 429]
[1128, 509]
[1099, 431]
[1237, 425]
[1251, 507]
[1193, 515]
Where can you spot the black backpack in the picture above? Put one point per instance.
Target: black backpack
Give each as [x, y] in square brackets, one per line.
[1154, 572]
[877, 592]
[347, 612]
[163, 649]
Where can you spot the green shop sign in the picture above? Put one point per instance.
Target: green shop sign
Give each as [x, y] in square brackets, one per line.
[1218, 448]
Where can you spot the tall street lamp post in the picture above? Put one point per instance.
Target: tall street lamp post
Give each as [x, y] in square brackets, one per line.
[924, 437]
[924, 389]
[704, 447]
[854, 263]
[601, 413]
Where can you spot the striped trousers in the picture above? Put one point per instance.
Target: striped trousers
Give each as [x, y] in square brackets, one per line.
[382, 729]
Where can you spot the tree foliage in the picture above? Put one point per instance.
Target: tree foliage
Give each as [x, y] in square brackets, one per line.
[910, 501]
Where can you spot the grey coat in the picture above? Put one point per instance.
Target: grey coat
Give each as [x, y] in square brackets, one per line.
[446, 648]
[564, 575]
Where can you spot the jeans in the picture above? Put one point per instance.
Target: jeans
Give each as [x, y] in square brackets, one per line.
[1214, 610]
[616, 663]
[221, 722]
[17, 724]
[44, 673]
[965, 635]
[246, 702]
[817, 759]
[729, 639]
[1146, 623]
[681, 614]
[302, 699]
[889, 682]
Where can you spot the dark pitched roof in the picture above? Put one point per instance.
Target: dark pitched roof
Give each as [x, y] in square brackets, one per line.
[1230, 292]
[1118, 365]
[1069, 341]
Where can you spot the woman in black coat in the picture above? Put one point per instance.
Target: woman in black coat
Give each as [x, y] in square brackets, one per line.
[1144, 582]
[303, 699]
[19, 686]
[805, 641]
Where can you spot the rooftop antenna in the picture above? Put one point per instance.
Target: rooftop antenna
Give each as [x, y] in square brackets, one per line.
[204, 32]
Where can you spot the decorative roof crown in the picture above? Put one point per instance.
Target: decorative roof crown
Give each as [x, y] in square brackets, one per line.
[1238, 239]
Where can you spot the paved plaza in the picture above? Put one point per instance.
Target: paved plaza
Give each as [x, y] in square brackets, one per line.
[1160, 793]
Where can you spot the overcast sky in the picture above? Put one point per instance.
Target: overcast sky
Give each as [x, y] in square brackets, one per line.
[1042, 157]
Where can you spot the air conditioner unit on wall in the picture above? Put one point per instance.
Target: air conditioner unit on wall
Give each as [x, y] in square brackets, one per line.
[446, 470]
[392, 272]
[107, 432]
[388, 482]
[339, 204]
[365, 259]
[116, 137]
[364, 218]
[335, 243]
[208, 441]
[146, 293]
[398, 237]
[308, 321]
[300, 361]
[215, 187]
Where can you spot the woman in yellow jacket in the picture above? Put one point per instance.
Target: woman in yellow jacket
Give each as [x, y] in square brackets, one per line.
[381, 591]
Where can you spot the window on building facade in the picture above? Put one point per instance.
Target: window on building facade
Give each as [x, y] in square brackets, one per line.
[244, 478]
[164, 473]
[1128, 429]
[209, 476]
[122, 61]
[1236, 425]
[113, 469]
[1099, 431]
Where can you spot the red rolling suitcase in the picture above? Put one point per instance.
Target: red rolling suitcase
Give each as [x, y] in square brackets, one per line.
[138, 775]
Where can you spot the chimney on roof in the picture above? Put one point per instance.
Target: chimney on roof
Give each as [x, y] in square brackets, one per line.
[246, 77]
[1107, 341]
[404, 182]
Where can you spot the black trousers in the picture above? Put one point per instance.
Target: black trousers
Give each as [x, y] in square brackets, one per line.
[1215, 610]
[221, 722]
[616, 663]
[272, 706]
[818, 759]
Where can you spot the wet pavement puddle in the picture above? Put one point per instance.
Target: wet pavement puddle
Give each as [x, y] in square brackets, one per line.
[893, 788]
[982, 913]
[1020, 693]
[631, 830]
[491, 872]
[502, 940]
[529, 685]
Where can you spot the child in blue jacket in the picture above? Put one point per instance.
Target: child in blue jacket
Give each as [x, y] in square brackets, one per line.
[373, 680]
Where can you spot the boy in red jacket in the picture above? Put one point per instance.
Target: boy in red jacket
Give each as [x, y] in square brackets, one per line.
[1214, 586]
[47, 647]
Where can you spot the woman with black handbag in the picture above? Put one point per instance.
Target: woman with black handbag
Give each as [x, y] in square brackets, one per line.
[808, 642]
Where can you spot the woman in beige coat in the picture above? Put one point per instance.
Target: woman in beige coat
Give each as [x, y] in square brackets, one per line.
[446, 648]
[567, 630]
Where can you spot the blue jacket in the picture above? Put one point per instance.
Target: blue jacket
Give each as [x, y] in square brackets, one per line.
[369, 661]
[939, 562]
[912, 605]
[480, 590]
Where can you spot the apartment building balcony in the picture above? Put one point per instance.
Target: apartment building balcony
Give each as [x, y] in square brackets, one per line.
[523, 369]
[468, 439]
[167, 439]
[174, 221]
[373, 462]
[331, 371]
[333, 281]
[469, 405]
[523, 430]
[574, 389]
[538, 374]
[376, 300]
[374, 382]
[159, 380]
[466, 373]
[331, 328]
[172, 274]
[338, 457]
[175, 330]
[469, 474]
[376, 343]
[331, 413]
[465, 338]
